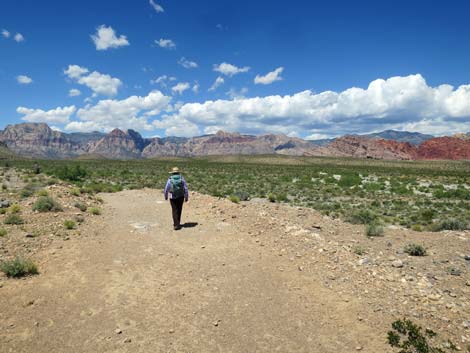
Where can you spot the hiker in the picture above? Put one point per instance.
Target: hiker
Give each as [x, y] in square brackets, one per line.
[177, 187]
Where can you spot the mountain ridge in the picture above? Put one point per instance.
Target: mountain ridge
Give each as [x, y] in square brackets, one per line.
[38, 140]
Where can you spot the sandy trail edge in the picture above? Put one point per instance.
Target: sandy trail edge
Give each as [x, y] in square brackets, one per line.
[203, 289]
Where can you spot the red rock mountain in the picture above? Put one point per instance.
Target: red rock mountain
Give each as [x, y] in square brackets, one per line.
[40, 141]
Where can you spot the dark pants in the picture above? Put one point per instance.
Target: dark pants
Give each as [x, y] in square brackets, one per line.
[177, 208]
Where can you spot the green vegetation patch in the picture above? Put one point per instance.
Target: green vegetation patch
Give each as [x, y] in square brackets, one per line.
[18, 267]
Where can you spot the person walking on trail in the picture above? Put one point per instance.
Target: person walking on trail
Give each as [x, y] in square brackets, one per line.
[177, 187]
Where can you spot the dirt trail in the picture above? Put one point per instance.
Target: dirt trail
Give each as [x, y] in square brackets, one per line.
[205, 288]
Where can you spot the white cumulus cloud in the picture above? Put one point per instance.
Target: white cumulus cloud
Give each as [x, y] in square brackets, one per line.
[270, 77]
[105, 38]
[229, 69]
[187, 64]
[74, 92]
[394, 103]
[180, 87]
[163, 80]
[130, 113]
[55, 116]
[99, 83]
[158, 8]
[195, 88]
[217, 83]
[165, 43]
[24, 80]
[5, 33]
[18, 37]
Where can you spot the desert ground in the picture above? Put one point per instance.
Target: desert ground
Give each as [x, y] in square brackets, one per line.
[248, 277]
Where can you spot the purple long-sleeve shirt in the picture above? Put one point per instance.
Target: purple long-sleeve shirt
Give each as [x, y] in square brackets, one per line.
[168, 188]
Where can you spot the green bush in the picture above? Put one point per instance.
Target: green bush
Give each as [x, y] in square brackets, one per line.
[282, 197]
[69, 224]
[18, 267]
[46, 204]
[81, 206]
[452, 224]
[409, 338]
[363, 217]
[94, 211]
[15, 208]
[349, 180]
[271, 197]
[42, 192]
[234, 199]
[72, 173]
[3, 232]
[359, 250]
[414, 250]
[13, 219]
[374, 230]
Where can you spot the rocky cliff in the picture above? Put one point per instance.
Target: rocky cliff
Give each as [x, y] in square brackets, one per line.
[39, 140]
[445, 148]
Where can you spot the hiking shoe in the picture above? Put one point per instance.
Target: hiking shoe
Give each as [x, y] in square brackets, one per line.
[177, 227]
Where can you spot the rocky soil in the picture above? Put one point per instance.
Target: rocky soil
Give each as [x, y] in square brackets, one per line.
[248, 277]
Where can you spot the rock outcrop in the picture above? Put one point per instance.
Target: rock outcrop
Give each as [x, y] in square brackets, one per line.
[39, 140]
[445, 148]
[118, 144]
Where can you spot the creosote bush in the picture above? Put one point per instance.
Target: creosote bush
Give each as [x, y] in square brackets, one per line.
[69, 224]
[374, 230]
[14, 218]
[410, 338]
[3, 232]
[414, 250]
[234, 198]
[18, 267]
[81, 206]
[46, 204]
[94, 211]
[15, 208]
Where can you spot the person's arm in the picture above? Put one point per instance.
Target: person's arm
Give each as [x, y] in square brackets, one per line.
[186, 191]
[167, 189]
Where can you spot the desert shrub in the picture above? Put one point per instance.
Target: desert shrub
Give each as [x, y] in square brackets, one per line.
[417, 228]
[374, 229]
[409, 338]
[242, 195]
[234, 198]
[414, 250]
[282, 197]
[363, 217]
[3, 232]
[94, 211]
[427, 215]
[69, 224]
[18, 267]
[15, 208]
[271, 197]
[72, 173]
[42, 192]
[4, 187]
[46, 204]
[81, 206]
[27, 191]
[349, 180]
[75, 192]
[3, 210]
[13, 218]
[452, 224]
[359, 250]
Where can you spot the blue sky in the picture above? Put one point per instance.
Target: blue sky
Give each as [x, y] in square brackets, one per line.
[303, 68]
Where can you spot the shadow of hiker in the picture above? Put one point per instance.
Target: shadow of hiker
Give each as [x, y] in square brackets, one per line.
[189, 225]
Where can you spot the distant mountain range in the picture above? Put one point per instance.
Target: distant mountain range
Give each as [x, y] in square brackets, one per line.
[37, 140]
[415, 138]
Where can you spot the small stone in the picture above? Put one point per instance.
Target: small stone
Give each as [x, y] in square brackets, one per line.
[29, 235]
[127, 340]
[171, 331]
[118, 331]
[455, 272]
[467, 257]
[216, 323]
[358, 348]
[363, 261]
[397, 264]
[466, 324]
